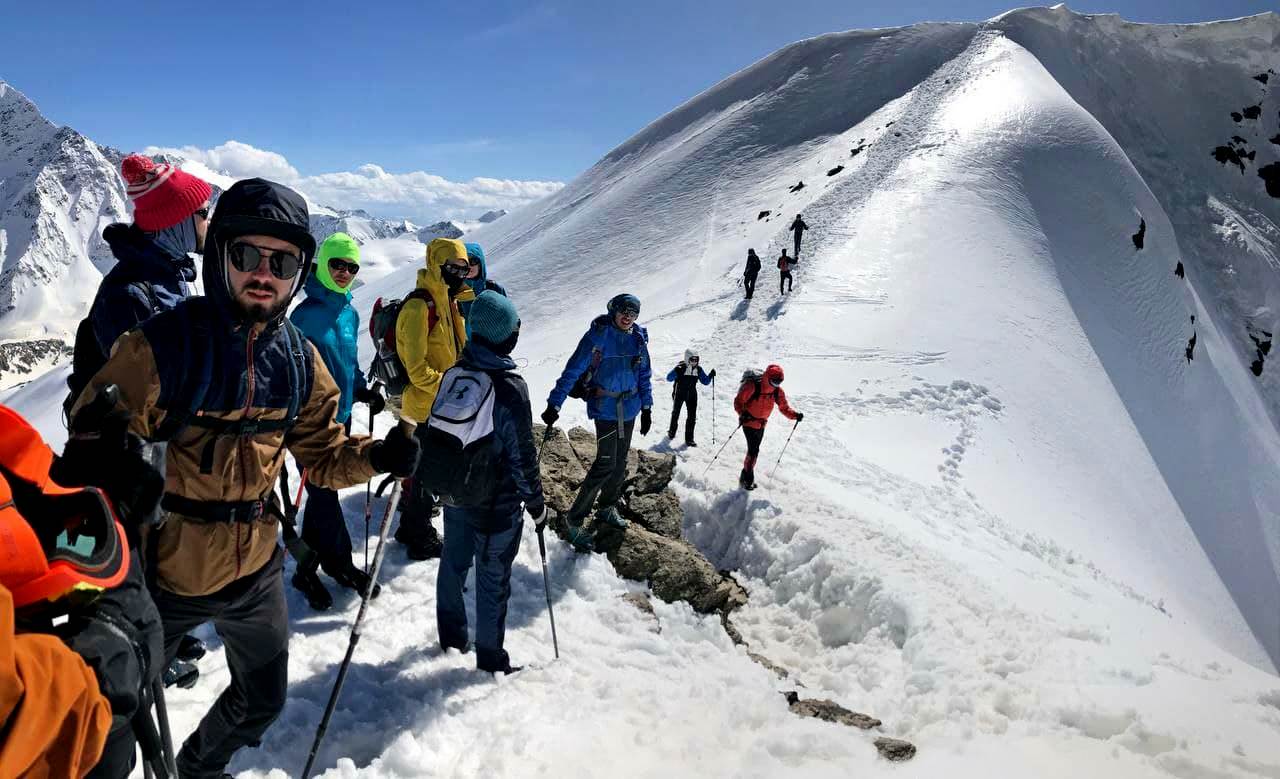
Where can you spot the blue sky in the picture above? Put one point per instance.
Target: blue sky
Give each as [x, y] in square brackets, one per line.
[512, 90]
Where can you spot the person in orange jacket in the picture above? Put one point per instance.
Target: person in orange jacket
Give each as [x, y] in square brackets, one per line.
[754, 403]
[80, 638]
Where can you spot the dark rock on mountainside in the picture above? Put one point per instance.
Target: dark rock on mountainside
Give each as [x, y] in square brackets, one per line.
[1140, 236]
[1270, 175]
[895, 749]
[797, 187]
[762, 215]
[835, 170]
[21, 357]
[1179, 271]
[1237, 117]
[1252, 112]
[1229, 154]
[829, 711]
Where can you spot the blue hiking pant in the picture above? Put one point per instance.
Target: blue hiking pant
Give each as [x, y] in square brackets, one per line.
[493, 554]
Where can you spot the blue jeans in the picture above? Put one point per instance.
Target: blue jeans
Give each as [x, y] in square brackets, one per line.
[493, 554]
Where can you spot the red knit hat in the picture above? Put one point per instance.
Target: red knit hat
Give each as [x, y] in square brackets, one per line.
[162, 194]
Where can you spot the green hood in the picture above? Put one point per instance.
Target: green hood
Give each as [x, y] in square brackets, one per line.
[337, 245]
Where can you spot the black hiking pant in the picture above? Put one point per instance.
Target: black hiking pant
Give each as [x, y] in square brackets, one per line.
[252, 619]
[754, 436]
[691, 419]
[419, 502]
[324, 528]
[785, 282]
[797, 251]
[609, 470]
[749, 284]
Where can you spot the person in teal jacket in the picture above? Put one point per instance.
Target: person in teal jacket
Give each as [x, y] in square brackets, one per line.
[479, 281]
[328, 320]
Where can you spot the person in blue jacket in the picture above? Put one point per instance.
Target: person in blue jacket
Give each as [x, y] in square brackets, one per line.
[684, 392]
[328, 320]
[489, 533]
[611, 370]
[479, 281]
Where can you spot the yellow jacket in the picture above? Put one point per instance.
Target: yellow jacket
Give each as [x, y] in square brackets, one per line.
[427, 352]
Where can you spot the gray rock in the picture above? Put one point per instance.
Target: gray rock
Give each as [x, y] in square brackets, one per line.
[895, 749]
[562, 471]
[649, 473]
[659, 512]
[674, 569]
[829, 711]
[641, 601]
[778, 670]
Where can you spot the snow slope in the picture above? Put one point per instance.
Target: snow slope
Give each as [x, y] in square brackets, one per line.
[1016, 524]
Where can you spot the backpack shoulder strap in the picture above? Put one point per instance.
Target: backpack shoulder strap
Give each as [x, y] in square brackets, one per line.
[196, 372]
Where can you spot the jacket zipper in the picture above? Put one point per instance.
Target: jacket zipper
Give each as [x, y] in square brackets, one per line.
[243, 442]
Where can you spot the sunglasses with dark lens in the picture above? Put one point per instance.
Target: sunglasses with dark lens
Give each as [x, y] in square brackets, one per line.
[203, 213]
[631, 312]
[342, 265]
[454, 269]
[776, 382]
[245, 257]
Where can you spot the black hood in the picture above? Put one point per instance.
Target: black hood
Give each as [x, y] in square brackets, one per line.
[255, 207]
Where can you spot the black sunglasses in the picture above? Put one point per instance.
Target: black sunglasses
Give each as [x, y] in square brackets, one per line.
[245, 257]
[336, 264]
[203, 213]
[629, 311]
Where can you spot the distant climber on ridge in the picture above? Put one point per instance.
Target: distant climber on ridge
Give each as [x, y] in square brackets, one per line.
[798, 227]
[785, 280]
[749, 275]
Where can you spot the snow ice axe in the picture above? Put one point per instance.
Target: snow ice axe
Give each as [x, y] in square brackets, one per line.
[408, 427]
[784, 449]
[722, 446]
[542, 550]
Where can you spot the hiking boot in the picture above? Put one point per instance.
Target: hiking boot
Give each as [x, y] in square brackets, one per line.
[191, 649]
[610, 516]
[180, 673]
[581, 537]
[353, 578]
[428, 548]
[308, 583]
[691, 444]
[747, 480]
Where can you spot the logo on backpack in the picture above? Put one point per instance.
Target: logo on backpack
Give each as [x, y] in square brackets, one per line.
[387, 366]
[458, 448]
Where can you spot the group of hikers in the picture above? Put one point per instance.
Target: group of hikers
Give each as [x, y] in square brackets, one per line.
[161, 513]
[785, 263]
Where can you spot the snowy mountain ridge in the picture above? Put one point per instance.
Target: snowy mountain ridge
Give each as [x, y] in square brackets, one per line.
[1027, 521]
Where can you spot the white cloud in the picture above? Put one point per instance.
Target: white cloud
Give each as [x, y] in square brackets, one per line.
[418, 195]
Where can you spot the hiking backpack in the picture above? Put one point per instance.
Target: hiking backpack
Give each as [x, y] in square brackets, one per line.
[87, 357]
[755, 378]
[387, 367]
[459, 452]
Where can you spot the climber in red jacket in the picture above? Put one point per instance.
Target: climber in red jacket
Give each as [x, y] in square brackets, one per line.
[754, 402]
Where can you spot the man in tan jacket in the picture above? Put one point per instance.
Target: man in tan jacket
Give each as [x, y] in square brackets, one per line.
[229, 384]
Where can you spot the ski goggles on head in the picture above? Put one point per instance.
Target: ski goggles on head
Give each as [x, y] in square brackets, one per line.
[246, 258]
[630, 311]
[336, 265]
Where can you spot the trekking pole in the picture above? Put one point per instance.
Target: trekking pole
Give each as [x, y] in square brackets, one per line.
[784, 449]
[542, 550]
[368, 494]
[726, 443]
[364, 607]
[713, 410]
[162, 719]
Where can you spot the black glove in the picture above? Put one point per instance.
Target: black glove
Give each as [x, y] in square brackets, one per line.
[102, 453]
[799, 417]
[550, 415]
[646, 420]
[539, 513]
[744, 418]
[680, 366]
[397, 454]
[712, 374]
[373, 399]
